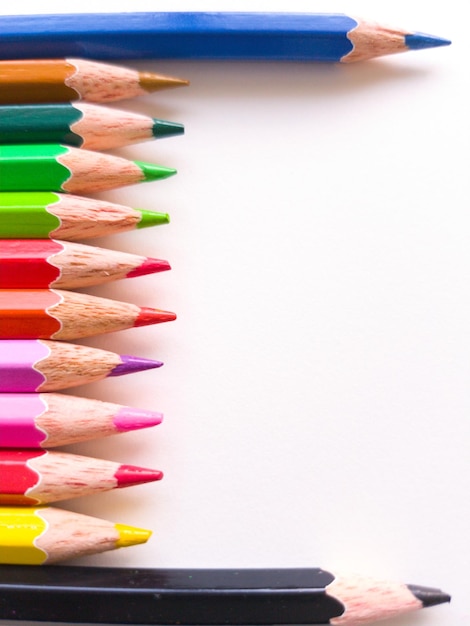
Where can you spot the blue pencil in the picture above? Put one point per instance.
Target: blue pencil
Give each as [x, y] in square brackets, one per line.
[276, 36]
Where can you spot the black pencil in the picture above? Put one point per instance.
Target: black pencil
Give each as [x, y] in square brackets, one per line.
[183, 596]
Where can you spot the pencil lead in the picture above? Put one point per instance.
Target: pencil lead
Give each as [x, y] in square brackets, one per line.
[130, 475]
[429, 596]
[134, 419]
[150, 218]
[149, 316]
[132, 364]
[149, 266]
[153, 82]
[131, 536]
[154, 172]
[163, 128]
[418, 41]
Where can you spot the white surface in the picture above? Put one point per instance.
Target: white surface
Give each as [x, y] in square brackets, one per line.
[316, 385]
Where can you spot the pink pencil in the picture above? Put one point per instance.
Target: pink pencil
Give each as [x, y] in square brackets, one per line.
[48, 420]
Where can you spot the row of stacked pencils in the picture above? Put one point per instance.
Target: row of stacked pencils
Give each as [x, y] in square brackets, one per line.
[55, 126]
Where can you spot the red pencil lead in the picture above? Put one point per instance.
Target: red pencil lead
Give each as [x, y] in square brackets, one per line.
[129, 475]
[148, 316]
[149, 266]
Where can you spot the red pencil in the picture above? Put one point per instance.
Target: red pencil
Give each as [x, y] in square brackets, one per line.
[30, 477]
[44, 263]
[56, 314]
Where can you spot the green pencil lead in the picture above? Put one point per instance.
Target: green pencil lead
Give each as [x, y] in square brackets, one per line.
[150, 218]
[154, 172]
[162, 128]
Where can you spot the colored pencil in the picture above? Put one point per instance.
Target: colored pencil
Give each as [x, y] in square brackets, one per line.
[199, 596]
[84, 125]
[55, 167]
[57, 314]
[65, 80]
[269, 35]
[41, 214]
[40, 535]
[48, 420]
[30, 365]
[32, 477]
[44, 263]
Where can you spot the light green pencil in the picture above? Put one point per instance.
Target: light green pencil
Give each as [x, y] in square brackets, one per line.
[54, 167]
[45, 214]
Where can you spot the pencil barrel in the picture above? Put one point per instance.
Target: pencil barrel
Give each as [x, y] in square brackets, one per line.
[68, 217]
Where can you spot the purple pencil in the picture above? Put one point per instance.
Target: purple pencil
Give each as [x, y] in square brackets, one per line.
[28, 365]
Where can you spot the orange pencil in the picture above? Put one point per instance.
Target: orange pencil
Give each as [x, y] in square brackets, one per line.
[65, 80]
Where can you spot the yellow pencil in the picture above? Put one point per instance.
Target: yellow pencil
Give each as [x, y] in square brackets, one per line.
[40, 535]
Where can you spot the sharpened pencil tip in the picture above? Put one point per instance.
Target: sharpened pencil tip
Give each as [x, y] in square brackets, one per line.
[131, 536]
[153, 82]
[163, 128]
[429, 596]
[134, 419]
[132, 364]
[149, 316]
[149, 266]
[418, 41]
[150, 218]
[154, 172]
[129, 475]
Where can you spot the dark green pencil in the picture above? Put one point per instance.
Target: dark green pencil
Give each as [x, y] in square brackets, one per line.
[80, 124]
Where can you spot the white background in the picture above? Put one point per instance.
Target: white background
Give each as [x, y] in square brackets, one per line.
[316, 382]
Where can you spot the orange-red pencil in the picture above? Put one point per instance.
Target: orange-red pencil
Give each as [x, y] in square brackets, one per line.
[57, 314]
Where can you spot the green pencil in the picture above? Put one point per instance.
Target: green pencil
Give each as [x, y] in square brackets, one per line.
[43, 214]
[80, 124]
[55, 167]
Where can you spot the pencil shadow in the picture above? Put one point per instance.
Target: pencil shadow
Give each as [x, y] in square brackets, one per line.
[281, 79]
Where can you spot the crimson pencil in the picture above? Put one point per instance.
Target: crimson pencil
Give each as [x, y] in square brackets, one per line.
[35, 365]
[57, 314]
[48, 420]
[56, 167]
[64, 80]
[44, 263]
[81, 124]
[31, 477]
